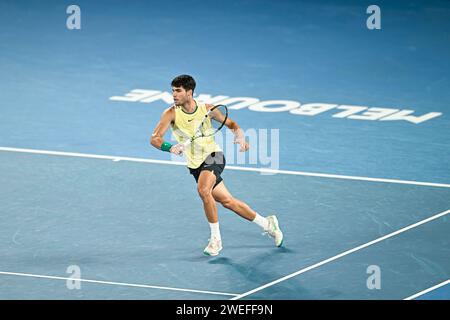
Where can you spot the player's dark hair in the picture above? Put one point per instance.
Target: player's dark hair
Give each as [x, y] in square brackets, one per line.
[185, 81]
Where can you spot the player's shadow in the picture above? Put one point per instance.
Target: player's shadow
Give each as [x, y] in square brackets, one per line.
[257, 271]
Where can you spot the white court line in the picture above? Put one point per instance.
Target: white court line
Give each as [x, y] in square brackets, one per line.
[262, 170]
[116, 283]
[428, 290]
[314, 266]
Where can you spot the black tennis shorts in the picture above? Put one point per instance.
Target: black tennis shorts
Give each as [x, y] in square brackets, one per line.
[214, 162]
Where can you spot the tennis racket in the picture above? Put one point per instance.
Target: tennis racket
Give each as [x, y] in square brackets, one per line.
[212, 122]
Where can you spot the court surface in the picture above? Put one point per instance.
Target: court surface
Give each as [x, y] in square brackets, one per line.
[89, 210]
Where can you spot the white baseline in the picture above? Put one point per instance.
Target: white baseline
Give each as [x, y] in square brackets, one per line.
[300, 173]
[115, 283]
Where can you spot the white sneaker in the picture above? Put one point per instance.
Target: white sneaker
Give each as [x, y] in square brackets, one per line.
[213, 248]
[274, 230]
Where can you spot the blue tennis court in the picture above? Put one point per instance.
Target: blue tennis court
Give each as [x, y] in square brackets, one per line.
[348, 128]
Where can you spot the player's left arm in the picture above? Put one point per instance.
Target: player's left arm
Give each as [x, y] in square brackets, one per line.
[233, 126]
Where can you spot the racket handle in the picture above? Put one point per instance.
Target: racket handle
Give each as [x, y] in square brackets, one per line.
[187, 142]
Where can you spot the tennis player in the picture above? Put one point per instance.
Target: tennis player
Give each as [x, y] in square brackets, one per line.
[206, 161]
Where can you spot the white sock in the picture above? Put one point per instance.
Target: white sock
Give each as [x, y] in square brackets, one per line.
[261, 221]
[215, 231]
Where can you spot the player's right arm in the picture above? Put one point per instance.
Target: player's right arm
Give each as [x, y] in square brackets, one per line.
[167, 117]
[157, 139]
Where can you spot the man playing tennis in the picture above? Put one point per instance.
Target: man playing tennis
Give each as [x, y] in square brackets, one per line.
[205, 160]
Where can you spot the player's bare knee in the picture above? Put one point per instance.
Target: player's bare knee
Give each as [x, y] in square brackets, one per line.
[204, 192]
[229, 203]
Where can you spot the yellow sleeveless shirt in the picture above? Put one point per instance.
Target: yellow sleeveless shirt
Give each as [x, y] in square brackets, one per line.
[184, 128]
